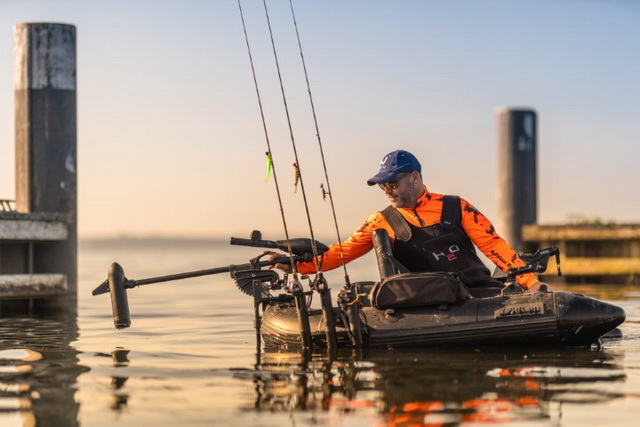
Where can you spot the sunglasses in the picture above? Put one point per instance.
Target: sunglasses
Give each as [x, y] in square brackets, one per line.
[391, 185]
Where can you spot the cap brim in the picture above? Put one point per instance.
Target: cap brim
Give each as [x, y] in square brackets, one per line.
[383, 177]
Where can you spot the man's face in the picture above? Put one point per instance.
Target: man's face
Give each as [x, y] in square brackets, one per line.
[402, 192]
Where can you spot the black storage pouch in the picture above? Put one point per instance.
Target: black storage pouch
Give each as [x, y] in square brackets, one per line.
[418, 290]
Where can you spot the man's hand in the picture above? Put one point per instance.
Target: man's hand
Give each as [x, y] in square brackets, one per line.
[539, 286]
[284, 267]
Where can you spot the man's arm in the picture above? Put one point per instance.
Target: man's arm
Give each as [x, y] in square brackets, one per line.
[358, 244]
[483, 234]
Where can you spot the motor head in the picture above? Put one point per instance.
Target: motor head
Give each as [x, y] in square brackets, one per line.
[119, 301]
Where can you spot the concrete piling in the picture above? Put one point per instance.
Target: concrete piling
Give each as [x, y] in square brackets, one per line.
[45, 136]
[517, 182]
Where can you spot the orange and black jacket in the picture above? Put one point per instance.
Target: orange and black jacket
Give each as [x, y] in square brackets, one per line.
[427, 212]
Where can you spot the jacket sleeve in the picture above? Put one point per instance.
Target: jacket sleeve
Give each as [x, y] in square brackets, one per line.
[483, 234]
[354, 247]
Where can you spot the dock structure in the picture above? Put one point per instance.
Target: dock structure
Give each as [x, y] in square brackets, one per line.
[38, 231]
[594, 253]
[517, 172]
[23, 238]
[590, 253]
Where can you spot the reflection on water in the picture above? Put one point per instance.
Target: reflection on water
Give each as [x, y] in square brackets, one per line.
[418, 387]
[120, 396]
[38, 370]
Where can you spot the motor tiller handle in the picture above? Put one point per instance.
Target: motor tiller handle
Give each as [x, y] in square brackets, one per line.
[299, 246]
[535, 262]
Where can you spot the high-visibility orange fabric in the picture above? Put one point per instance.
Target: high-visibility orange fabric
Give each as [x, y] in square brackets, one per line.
[428, 212]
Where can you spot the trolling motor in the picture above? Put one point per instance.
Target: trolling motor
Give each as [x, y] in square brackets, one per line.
[246, 275]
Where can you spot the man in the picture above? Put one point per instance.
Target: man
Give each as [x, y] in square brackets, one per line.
[428, 231]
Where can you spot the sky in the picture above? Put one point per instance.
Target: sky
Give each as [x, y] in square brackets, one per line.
[171, 142]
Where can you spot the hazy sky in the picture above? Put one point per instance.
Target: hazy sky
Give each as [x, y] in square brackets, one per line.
[169, 133]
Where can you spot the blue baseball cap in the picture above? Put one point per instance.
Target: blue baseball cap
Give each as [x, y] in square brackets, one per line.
[394, 163]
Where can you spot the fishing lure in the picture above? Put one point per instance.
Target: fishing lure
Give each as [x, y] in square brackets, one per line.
[269, 166]
[297, 178]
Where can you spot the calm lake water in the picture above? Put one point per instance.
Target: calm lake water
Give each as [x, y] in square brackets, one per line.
[190, 358]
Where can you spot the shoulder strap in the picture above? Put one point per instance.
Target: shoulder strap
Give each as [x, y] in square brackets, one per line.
[451, 212]
[397, 222]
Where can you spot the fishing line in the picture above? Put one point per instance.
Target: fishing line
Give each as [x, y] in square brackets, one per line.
[324, 164]
[272, 165]
[293, 141]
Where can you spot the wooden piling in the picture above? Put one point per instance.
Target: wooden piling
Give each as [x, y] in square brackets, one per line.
[45, 136]
[517, 182]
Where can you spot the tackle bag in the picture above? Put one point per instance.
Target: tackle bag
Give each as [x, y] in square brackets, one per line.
[418, 290]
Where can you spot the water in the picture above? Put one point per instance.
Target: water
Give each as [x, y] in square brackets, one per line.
[190, 358]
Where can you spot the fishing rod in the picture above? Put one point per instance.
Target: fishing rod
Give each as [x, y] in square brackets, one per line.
[320, 284]
[268, 142]
[295, 286]
[299, 174]
[324, 163]
[348, 297]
